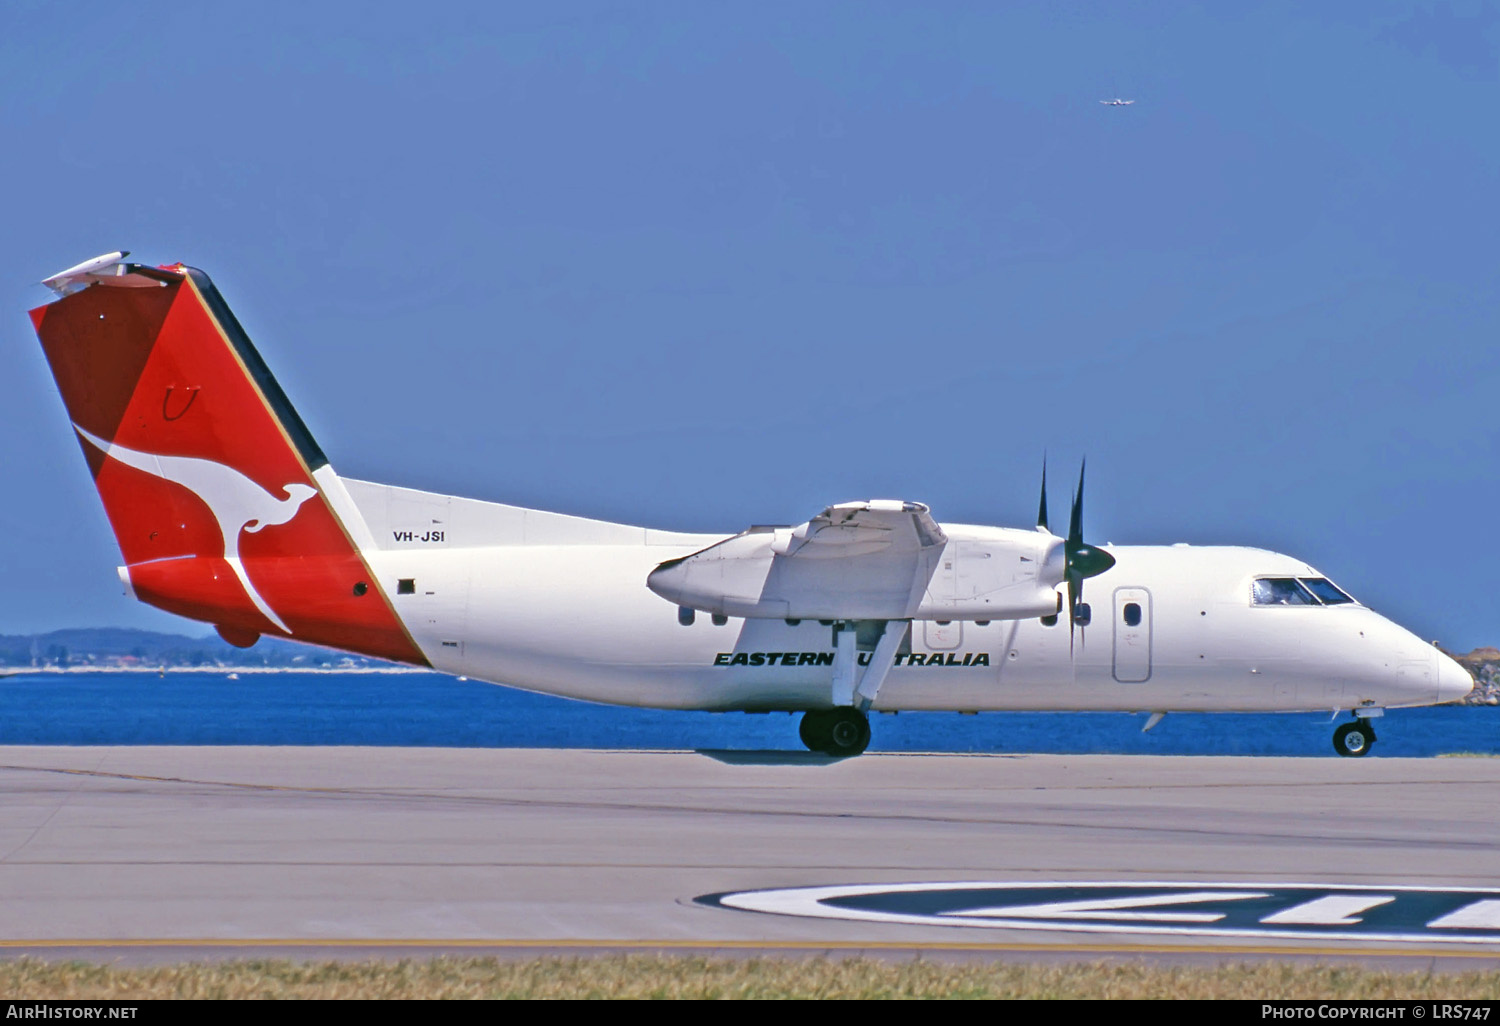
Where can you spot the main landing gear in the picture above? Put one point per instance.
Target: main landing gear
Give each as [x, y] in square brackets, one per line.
[838, 732]
[1354, 739]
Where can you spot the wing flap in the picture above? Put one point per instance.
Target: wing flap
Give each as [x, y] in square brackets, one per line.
[862, 528]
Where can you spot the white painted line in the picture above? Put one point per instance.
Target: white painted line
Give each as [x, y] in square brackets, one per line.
[1334, 910]
[1103, 909]
[1482, 915]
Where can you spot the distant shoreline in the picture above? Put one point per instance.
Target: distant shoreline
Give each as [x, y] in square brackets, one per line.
[31, 671]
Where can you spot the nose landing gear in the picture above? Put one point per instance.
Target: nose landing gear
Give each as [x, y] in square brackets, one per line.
[838, 732]
[1354, 739]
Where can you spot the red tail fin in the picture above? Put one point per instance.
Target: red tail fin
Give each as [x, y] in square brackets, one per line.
[218, 495]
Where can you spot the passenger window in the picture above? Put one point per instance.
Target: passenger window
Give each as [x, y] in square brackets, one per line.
[1281, 591]
[1084, 616]
[1132, 614]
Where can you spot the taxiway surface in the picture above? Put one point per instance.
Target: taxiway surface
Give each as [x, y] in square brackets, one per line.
[120, 852]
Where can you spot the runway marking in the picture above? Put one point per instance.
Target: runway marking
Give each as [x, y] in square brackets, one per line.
[1484, 915]
[1336, 910]
[1114, 908]
[1290, 911]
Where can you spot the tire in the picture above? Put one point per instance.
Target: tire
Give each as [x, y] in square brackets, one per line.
[1353, 740]
[847, 733]
[814, 730]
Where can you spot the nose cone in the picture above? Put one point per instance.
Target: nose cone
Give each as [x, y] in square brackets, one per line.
[1453, 681]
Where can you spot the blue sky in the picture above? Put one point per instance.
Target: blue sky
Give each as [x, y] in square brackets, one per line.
[705, 265]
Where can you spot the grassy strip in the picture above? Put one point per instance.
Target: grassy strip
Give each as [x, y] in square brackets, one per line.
[648, 976]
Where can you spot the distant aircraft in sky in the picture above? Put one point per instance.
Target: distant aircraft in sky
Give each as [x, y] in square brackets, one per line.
[227, 511]
[1117, 103]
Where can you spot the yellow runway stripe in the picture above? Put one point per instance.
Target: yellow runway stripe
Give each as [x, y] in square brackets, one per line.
[729, 945]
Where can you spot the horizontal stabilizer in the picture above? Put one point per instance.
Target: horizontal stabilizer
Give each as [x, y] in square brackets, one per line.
[111, 269]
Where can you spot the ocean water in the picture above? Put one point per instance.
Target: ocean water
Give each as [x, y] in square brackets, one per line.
[429, 709]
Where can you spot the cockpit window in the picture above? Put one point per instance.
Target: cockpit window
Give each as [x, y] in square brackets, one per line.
[1281, 591]
[1297, 591]
[1325, 590]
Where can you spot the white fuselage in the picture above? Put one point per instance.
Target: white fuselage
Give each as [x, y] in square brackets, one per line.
[232, 514]
[560, 605]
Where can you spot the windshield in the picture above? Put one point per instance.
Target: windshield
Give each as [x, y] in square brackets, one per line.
[1297, 591]
[1325, 590]
[1281, 591]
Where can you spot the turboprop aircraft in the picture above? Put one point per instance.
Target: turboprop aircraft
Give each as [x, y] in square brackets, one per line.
[227, 511]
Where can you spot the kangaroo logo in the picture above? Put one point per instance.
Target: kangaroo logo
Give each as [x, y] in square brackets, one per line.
[238, 503]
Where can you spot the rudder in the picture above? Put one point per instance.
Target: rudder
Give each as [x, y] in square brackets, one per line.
[224, 507]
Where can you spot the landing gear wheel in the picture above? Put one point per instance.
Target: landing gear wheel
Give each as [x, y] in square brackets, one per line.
[837, 732]
[1353, 739]
[814, 730]
[848, 732]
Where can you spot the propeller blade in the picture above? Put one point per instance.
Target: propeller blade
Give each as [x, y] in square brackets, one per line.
[1075, 589]
[1041, 509]
[1082, 559]
[1075, 520]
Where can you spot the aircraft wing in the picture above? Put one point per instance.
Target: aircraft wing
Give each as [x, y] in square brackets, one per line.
[881, 559]
[855, 560]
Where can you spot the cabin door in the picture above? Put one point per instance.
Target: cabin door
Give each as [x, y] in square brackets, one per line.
[1132, 634]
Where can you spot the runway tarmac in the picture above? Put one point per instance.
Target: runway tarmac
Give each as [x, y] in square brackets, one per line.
[143, 854]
